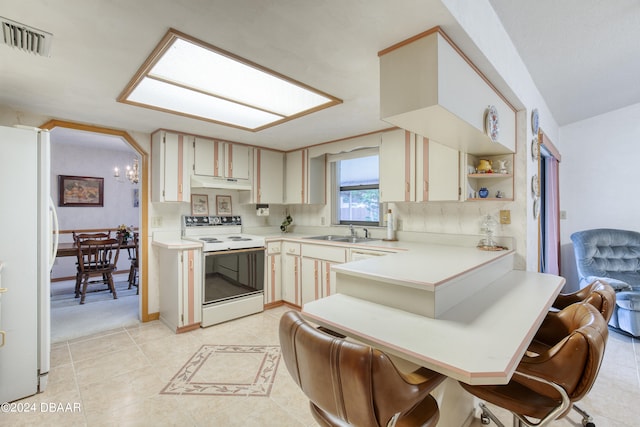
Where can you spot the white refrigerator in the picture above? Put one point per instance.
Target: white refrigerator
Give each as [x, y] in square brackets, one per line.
[27, 251]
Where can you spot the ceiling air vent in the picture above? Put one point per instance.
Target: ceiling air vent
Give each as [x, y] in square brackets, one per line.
[26, 38]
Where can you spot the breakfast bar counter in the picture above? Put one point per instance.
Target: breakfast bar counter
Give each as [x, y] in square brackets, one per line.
[478, 341]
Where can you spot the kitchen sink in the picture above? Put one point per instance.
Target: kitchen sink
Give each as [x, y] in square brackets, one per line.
[338, 238]
[332, 237]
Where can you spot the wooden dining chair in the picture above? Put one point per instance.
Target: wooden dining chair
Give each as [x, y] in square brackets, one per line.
[133, 270]
[97, 258]
[79, 237]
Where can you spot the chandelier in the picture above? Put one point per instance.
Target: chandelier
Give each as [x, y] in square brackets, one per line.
[132, 173]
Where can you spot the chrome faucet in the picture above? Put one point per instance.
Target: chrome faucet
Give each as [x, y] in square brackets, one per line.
[352, 231]
[366, 233]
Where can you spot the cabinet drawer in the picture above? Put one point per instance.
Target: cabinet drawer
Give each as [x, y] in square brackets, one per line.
[329, 253]
[274, 248]
[291, 248]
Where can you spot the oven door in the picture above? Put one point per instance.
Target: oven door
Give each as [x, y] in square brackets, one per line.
[233, 274]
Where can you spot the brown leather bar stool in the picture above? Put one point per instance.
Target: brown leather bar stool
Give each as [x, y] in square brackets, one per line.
[600, 295]
[545, 385]
[349, 383]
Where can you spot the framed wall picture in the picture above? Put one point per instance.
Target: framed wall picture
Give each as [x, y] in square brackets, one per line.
[223, 205]
[80, 191]
[199, 204]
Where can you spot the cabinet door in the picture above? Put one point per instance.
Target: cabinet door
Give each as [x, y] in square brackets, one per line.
[291, 279]
[171, 161]
[311, 279]
[295, 177]
[207, 157]
[273, 273]
[268, 186]
[438, 171]
[190, 288]
[236, 164]
[304, 180]
[318, 281]
[396, 171]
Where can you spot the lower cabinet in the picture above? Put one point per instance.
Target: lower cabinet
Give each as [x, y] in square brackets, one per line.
[318, 281]
[291, 281]
[180, 288]
[273, 273]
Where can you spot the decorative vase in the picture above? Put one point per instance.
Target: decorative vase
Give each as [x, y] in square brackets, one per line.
[483, 193]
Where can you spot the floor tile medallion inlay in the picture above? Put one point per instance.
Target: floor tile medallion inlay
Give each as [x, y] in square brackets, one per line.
[227, 370]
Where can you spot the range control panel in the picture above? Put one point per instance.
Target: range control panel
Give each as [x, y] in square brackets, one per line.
[209, 221]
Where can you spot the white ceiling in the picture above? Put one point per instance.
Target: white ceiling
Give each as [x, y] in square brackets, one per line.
[581, 53]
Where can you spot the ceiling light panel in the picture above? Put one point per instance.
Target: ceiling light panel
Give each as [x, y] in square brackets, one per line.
[172, 98]
[189, 77]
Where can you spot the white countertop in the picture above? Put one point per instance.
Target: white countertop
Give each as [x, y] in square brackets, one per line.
[478, 341]
[424, 265]
[172, 240]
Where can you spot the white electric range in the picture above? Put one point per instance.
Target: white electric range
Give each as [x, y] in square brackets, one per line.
[232, 265]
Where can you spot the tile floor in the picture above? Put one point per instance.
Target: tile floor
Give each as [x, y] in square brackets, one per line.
[130, 377]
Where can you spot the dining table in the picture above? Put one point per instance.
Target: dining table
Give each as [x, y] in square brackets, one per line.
[70, 249]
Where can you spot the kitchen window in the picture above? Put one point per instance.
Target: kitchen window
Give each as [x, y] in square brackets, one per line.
[357, 195]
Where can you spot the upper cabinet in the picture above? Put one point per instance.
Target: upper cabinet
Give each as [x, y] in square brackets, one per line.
[207, 157]
[267, 178]
[171, 160]
[416, 169]
[304, 178]
[429, 88]
[220, 159]
[237, 161]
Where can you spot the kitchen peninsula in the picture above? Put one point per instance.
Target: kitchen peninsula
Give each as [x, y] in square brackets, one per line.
[458, 311]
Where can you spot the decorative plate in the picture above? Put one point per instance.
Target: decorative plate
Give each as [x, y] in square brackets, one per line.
[535, 121]
[492, 123]
[535, 149]
[535, 186]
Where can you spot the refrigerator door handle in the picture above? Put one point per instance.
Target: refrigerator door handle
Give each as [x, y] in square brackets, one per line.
[56, 235]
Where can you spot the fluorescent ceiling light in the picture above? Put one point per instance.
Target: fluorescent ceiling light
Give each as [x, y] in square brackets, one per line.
[191, 78]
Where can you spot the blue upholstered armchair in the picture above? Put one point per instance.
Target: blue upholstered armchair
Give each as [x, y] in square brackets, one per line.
[613, 256]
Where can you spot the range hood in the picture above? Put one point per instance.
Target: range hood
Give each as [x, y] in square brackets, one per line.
[199, 181]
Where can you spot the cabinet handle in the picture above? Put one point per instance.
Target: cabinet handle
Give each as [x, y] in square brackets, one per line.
[191, 264]
[2, 335]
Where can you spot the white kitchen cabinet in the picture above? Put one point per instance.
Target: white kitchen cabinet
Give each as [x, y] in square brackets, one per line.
[416, 169]
[437, 171]
[395, 169]
[498, 183]
[171, 164]
[237, 161]
[428, 87]
[291, 279]
[357, 254]
[318, 281]
[305, 178]
[220, 159]
[273, 273]
[267, 177]
[208, 157]
[180, 288]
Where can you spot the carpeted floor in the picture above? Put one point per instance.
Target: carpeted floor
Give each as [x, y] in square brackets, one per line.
[99, 313]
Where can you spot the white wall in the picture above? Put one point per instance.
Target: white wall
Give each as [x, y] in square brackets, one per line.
[118, 206]
[599, 177]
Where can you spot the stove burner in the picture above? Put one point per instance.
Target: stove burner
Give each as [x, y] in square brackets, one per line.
[210, 240]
